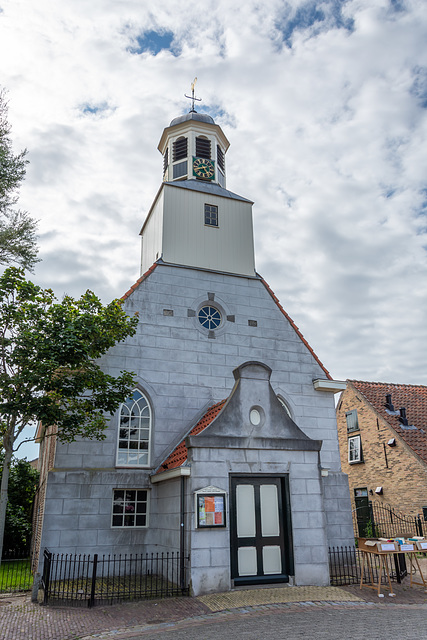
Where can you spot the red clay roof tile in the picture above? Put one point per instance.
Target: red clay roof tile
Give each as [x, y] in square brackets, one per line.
[138, 282]
[179, 454]
[412, 397]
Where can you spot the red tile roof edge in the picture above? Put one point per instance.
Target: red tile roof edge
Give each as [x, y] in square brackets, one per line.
[179, 455]
[138, 282]
[389, 384]
[295, 328]
[417, 400]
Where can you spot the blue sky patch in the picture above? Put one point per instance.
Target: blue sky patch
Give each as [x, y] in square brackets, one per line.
[419, 86]
[152, 42]
[218, 113]
[398, 5]
[92, 109]
[312, 15]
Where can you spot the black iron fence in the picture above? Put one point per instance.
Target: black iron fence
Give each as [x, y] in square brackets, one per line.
[381, 520]
[88, 580]
[345, 566]
[15, 571]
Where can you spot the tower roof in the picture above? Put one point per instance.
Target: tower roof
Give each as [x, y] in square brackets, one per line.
[193, 115]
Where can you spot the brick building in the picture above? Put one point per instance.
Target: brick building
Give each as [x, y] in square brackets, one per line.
[382, 430]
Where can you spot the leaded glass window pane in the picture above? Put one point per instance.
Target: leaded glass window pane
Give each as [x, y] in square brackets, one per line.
[130, 508]
[134, 431]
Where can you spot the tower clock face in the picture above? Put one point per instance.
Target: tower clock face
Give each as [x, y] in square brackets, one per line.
[204, 168]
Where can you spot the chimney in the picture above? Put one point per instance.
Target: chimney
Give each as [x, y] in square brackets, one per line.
[403, 419]
[388, 402]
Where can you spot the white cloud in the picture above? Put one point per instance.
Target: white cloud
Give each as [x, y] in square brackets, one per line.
[327, 121]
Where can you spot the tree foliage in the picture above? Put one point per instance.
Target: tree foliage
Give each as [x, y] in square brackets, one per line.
[48, 368]
[17, 228]
[23, 481]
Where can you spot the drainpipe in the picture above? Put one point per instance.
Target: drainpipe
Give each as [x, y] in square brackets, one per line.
[182, 536]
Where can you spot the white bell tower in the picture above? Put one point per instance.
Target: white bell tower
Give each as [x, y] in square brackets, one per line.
[194, 220]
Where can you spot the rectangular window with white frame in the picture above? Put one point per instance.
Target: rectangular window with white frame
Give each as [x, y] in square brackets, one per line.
[352, 421]
[354, 449]
[211, 215]
[130, 508]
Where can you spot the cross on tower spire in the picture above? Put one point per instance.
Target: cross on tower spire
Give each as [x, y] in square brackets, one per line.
[192, 97]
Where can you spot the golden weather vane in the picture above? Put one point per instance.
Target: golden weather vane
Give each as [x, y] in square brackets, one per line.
[192, 97]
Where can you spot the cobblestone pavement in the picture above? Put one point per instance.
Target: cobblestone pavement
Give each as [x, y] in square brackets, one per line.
[229, 612]
[321, 621]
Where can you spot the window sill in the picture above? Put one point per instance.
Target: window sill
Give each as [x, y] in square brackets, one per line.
[134, 466]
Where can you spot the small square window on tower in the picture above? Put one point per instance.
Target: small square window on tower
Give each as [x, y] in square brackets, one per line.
[211, 215]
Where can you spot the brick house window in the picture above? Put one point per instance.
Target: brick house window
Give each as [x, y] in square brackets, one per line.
[130, 508]
[352, 421]
[354, 449]
[134, 432]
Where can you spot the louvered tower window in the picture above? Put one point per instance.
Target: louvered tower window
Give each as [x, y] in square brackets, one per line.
[203, 147]
[180, 149]
[220, 158]
[166, 160]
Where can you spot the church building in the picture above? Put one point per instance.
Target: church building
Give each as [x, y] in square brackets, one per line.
[228, 448]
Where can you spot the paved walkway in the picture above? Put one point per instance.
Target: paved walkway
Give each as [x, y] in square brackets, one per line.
[20, 619]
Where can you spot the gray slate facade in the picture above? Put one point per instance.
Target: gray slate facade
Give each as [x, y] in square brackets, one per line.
[254, 493]
[182, 371]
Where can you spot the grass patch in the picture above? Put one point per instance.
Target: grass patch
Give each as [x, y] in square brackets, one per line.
[15, 575]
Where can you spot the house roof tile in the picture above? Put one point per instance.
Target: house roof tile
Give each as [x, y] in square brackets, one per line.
[412, 397]
[179, 455]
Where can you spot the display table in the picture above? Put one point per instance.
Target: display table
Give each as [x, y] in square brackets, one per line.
[385, 550]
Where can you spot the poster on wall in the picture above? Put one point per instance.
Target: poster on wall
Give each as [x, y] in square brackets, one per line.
[211, 510]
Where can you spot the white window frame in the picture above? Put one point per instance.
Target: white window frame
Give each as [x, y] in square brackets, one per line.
[354, 449]
[211, 215]
[137, 453]
[352, 420]
[132, 504]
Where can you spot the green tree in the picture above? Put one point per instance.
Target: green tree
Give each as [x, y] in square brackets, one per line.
[17, 228]
[22, 488]
[48, 368]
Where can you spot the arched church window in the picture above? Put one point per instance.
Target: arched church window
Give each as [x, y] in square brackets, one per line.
[203, 147]
[180, 149]
[134, 431]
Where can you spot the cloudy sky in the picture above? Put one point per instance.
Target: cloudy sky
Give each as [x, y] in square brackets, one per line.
[325, 106]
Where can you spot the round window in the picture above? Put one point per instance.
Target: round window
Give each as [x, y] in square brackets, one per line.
[209, 317]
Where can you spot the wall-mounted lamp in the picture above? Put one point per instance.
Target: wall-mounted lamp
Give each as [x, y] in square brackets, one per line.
[379, 491]
[371, 493]
[392, 442]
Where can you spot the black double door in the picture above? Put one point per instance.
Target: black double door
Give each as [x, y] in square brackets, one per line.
[261, 550]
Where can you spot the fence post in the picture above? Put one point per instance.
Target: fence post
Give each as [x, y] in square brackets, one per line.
[46, 574]
[92, 590]
[419, 525]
